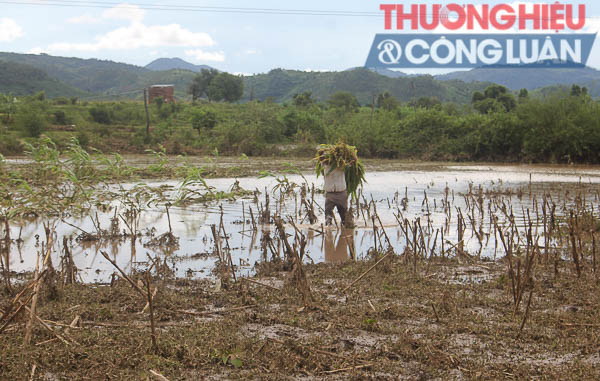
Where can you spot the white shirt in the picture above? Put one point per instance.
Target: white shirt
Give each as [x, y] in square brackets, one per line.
[335, 181]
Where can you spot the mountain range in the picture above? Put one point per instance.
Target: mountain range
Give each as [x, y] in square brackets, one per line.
[163, 64]
[24, 74]
[282, 85]
[517, 78]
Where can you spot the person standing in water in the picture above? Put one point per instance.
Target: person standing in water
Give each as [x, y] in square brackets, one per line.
[336, 195]
[343, 173]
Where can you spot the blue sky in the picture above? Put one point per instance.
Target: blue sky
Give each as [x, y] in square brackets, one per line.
[235, 42]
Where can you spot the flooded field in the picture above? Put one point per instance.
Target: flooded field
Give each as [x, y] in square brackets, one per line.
[426, 201]
[224, 270]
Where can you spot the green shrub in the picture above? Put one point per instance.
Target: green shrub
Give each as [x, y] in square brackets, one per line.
[84, 138]
[60, 117]
[100, 114]
[61, 101]
[10, 145]
[31, 119]
[203, 119]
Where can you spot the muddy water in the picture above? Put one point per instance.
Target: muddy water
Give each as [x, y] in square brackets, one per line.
[192, 224]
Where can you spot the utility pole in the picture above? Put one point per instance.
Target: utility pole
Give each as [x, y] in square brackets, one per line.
[372, 112]
[147, 115]
[412, 95]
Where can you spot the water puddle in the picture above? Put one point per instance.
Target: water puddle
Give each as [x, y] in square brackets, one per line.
[434, 196]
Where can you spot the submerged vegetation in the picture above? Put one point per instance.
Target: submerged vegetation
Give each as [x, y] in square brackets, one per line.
[56, 183]
[429, 307]
[498, 126]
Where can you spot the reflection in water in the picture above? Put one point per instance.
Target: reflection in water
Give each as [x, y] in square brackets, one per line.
[339, 245]
[133, 252]
[192, 224]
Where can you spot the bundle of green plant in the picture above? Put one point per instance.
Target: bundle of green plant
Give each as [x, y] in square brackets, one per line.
[343, 156]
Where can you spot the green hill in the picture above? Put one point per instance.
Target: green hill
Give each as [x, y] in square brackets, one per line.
[90, 75]
[164, 64]
[133, 89]
[363, 83]
[21, 79]
[516, 78]
[281, 85]
[108, 79]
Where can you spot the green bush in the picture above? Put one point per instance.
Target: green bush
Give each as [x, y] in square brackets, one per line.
[203, 119]
[61, 101]
[100, 114]
[31, 119]
[60, 117]
[10, 145]
[560, 127]
[83, 137]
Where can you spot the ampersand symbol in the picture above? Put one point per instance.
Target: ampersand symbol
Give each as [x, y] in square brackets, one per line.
[390, 52]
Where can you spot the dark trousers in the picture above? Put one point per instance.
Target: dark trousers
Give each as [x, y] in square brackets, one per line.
[337, 200]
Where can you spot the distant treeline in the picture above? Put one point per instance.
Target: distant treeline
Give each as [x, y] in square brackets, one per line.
[497, 126]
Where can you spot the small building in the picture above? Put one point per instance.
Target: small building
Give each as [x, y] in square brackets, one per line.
[166, 92]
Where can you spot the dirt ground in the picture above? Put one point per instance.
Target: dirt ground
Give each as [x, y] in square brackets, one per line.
[448, 320]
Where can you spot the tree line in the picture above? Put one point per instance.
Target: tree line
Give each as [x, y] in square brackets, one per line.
[216, 86]
[498, 125]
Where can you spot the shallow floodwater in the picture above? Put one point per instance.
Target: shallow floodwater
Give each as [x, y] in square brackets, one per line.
[192, 224]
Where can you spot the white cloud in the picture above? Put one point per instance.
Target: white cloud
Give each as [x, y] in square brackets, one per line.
[124, 11]
[138, 35]
[84, 19]
[36, 50]
[9, 30]
[201, 55]
[251, 52]
[135, 35]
